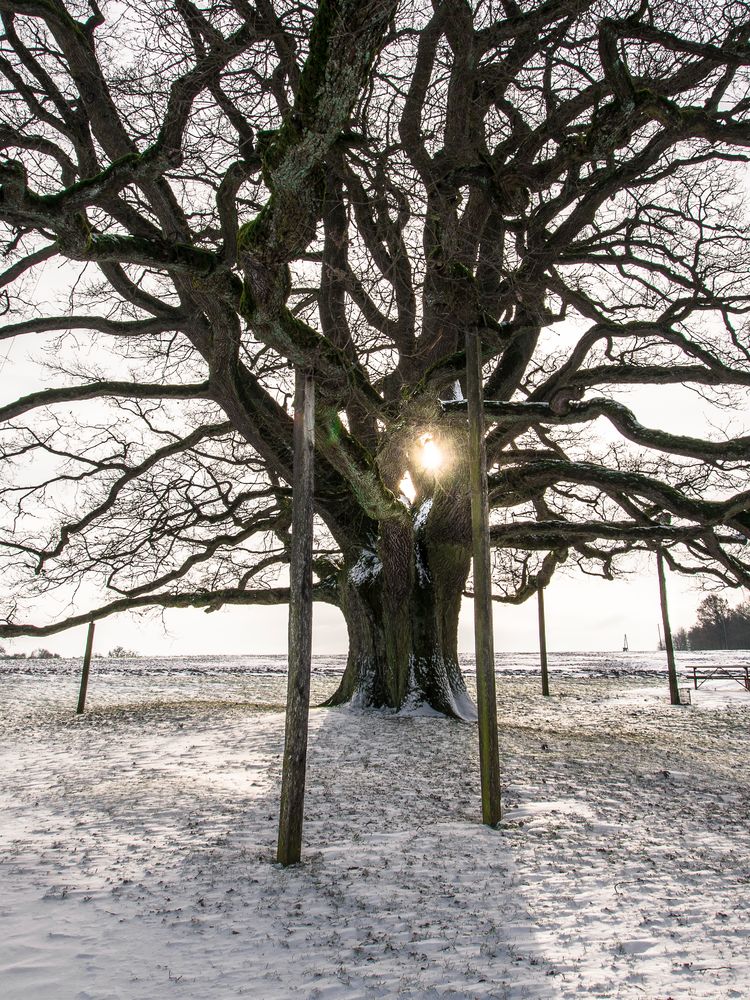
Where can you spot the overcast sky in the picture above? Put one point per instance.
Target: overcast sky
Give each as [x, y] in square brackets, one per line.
[582, 613]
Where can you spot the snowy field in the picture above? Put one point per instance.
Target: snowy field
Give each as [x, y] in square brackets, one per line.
[137, 842]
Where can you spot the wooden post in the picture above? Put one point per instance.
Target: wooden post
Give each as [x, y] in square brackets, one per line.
[489, 761]
[300, 624]
[85, 671]
[674, 691]
[542, 639]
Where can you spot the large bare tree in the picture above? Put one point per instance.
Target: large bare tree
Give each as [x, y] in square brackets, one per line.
[198, 196]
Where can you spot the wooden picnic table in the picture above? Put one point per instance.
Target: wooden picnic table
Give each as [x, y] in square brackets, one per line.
[702, 672]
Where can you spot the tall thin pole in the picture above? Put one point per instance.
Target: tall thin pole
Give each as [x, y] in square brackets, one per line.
[85, 671]
[542, 639]
[674, 691]
[489, 760]
[300, 624]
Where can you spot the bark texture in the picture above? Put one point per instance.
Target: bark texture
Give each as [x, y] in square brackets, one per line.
[401, 599]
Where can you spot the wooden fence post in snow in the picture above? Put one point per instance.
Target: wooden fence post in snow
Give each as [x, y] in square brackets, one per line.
[542, 639]
[85, 671]
[674, 691]
[300, 624]
[489, 761]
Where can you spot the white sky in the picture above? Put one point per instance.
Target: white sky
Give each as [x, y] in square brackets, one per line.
[583, 613]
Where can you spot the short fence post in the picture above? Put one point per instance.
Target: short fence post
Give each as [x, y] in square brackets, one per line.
[542, 639]
[674, 691]
[85, 671]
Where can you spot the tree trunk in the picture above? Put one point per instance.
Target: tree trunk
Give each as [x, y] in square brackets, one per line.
[401, 599]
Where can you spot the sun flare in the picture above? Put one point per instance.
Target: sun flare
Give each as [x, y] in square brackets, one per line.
[430, 456]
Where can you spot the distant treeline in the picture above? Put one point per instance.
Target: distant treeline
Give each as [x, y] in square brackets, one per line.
[37, 654]
[45, 654]
[719, 626]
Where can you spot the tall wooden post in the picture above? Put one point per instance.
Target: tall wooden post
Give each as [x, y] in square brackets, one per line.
[674, 691]
[489, 761]
[85, 671]
[542, 639]
[300, 624]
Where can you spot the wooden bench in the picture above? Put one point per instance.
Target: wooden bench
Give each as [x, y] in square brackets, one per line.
[700, 673]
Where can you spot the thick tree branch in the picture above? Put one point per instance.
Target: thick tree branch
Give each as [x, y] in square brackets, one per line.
[102, 390]
[208, 599]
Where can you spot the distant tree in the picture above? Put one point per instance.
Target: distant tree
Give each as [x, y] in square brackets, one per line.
[228, 189]
[121, 652]
[680, 639]
[720, 626]
[43, 654]
[713, 610]
[738, 627]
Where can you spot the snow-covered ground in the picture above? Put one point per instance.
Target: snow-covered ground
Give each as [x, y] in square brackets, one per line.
[137, 841]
